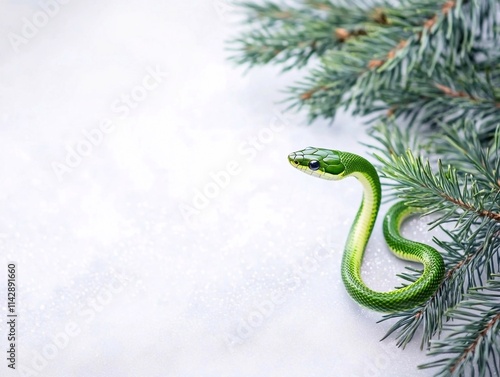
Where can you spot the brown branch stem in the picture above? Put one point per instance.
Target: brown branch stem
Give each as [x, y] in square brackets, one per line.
[468, 207]
[449, 275]
[472, 347]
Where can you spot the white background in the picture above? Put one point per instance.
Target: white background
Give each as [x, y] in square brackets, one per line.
[124, 269]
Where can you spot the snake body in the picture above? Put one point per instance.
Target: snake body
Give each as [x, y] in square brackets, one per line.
[336, 165]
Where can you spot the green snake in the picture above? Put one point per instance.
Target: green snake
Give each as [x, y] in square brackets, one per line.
[336, 165]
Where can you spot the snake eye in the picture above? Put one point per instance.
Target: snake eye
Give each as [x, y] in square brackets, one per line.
[314, 165]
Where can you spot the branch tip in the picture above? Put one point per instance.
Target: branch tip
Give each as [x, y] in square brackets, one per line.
[430, 22]
[472, 347]
[342, 34]
[380, 17]
[375, 63]
[449, 5]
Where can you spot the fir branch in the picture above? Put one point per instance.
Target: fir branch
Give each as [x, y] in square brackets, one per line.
[430, 316]
[462, 196]
[290, 36]
[473, 243]
[473, 340]
[445, 190]
[464, 148]
[390, 46]
[451, 93]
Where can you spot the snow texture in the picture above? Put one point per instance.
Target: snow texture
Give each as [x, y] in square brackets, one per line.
[147, 200]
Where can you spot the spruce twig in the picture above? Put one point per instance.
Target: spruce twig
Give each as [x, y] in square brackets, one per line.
[472, 339]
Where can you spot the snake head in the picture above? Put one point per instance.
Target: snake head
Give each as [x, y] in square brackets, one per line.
[319, 162]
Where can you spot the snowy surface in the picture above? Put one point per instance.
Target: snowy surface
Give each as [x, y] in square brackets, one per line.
[178, 241]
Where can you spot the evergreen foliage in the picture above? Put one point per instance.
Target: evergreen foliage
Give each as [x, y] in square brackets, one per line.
[428, 74]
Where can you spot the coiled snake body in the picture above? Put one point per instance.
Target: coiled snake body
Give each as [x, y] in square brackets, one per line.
[336, 165]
